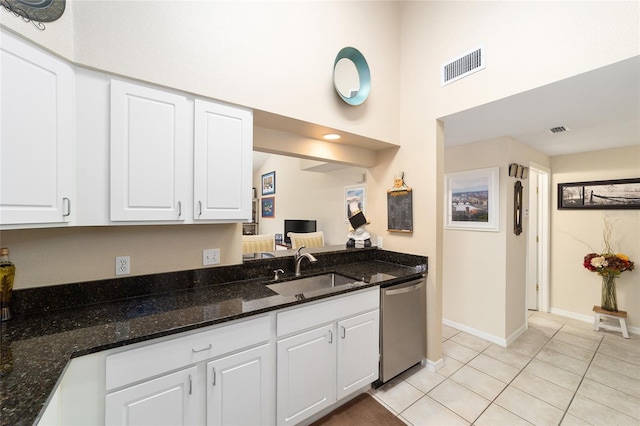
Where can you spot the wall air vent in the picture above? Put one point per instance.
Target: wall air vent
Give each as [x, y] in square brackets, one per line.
[559, 129]
[463, 66]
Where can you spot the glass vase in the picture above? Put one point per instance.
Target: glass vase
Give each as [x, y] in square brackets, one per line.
[609, 300]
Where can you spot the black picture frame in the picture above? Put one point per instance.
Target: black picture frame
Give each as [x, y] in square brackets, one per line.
[268, 183]
[600, 194]
[400, 211]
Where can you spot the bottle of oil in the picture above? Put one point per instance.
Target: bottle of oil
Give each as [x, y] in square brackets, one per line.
[7, 273]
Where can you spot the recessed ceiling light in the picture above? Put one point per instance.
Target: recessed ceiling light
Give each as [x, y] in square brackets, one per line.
[331, 136]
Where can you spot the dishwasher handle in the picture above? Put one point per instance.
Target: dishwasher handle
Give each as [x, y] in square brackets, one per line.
[393, 292]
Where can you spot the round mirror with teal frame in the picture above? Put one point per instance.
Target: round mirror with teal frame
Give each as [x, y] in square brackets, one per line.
[358, 94]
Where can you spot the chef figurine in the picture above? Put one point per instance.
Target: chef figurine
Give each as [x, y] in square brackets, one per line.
[358, 236]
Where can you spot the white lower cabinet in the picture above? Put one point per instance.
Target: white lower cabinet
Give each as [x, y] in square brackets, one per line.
[318, 367]
[224, 377]
[358, 351]
[306, 374]
[168, 400]
[238, 388]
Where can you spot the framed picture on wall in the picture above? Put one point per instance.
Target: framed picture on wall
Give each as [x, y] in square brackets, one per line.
[600, 194]
[472, 200]
[269, 183]
[269, 207]
[354, 198]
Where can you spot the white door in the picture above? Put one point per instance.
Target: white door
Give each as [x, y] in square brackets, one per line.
[149, 153]
[305, 374]
[538, 239]
[168, 400]
[240, 388]
[37, 135]
[533, 285]
[358, 349]
[223, 153]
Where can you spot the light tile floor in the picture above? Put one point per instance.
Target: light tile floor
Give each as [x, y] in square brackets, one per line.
[559, 371]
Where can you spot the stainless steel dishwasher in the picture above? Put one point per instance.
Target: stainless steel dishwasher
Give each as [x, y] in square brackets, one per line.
[402, 328]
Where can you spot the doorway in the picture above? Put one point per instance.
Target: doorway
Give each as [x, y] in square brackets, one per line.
[538, 239]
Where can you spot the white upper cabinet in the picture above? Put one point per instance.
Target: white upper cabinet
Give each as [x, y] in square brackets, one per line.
[149, 153]
[222, 161]
[37, 136]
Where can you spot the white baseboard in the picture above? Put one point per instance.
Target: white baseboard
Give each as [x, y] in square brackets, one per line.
[510, 339]
[433, 365]
[486, 336]
[517, 334]
[586, 318]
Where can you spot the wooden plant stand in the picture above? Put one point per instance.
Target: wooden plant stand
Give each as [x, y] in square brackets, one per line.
[620, 316]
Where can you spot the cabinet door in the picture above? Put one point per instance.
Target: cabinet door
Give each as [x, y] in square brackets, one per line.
[222, 162]
[305, 374]
[358, 349]
[240, 388]
[149, 153]
[168, 400]
[37, 135]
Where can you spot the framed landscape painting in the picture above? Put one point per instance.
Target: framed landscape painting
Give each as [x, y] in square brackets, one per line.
[600, 194]
[472, 200]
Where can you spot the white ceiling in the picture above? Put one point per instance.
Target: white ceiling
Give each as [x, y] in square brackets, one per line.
[601, 107]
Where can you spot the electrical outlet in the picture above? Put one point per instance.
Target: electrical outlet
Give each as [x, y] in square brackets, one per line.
[123, 265]
[379, 242]
[211, 256]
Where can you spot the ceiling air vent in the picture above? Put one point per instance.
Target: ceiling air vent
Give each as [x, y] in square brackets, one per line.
[559, 129]
[463, 66]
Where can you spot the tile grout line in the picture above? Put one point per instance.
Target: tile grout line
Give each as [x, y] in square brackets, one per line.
[509, 384]
[581, 380]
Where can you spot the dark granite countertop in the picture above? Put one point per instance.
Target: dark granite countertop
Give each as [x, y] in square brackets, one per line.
[54, 324]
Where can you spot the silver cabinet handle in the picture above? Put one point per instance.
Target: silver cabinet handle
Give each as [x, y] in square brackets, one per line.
[195, 351]
[403, 290]
[67, 202]
[213, 372]
[330, 336]
[200, 208]
[179, 208]
[344, 331]
[190, 385]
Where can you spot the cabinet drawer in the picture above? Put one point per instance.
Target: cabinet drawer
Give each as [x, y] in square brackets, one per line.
[158, 358]
[310, 315]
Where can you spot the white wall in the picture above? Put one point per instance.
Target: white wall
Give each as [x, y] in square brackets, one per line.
[302, 194]
[484, 273]
[575, 233]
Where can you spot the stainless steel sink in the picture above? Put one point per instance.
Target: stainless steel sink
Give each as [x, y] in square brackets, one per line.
[303, 285]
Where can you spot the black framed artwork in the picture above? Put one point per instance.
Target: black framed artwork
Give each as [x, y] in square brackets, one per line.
[599, 195]
[269, 183]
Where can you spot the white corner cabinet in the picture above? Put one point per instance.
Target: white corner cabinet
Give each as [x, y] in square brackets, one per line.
[285, 367]
[111, 151]
[37, 136]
